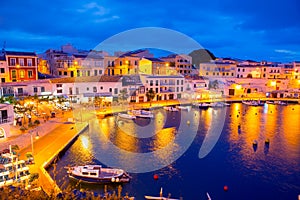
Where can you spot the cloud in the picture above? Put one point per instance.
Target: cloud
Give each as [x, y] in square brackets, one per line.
[285, 51]
[95, 8]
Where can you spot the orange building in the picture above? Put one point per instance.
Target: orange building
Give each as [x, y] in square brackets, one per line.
[22, 66]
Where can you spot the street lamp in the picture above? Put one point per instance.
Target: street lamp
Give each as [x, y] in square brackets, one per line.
[31, 138]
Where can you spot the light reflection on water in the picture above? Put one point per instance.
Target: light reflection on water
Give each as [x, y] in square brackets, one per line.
[233, 161]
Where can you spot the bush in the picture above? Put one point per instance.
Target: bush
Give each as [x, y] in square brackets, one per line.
[30, 124]
[37, 122]
[23, 128]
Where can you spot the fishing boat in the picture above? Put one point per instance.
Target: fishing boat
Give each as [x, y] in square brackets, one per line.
[98, 174]
[170, 108]
[160, 197]
[208, 196]
[126, 116]
[12, 170]
[141, 113]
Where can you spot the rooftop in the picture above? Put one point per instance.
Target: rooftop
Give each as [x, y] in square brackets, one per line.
[19, 53]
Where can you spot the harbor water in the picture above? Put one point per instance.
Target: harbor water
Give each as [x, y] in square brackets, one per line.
[233, 168]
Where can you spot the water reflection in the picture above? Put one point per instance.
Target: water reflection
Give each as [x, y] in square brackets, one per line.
[274, 167]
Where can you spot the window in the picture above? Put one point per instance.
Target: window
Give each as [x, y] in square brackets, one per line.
[13, 74]
[2, 80]
[70, 91]
[59, 91]
[95, 72]
[30, 74]
[2, 70]
[116, 91]
[110, 89]
[88, 73]
[59, 73]
[100, 71]
[101, 88]
[65, 73]
[156, 82]
[121, 63]
[238, 69]
[243, 70]
[12, 62]
[94, 89]
[22, 73]
[29, 62]
[77, 90]
[177, 82]
[58, 85]
[181, 82]
[87, 89]
[42, 89]
[21, 61]
[35, 89]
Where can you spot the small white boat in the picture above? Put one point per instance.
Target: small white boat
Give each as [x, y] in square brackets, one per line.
[253, 103]
[188, 108]
[208, 197]
[204, 105]
[97, 174]
[126, 116]
[172, 109]
[160, 197]
[141, 113]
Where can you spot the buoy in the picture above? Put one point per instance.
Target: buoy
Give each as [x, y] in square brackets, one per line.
[225, 188]
[155, 177]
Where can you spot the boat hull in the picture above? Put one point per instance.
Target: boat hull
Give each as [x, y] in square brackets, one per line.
[121, 179]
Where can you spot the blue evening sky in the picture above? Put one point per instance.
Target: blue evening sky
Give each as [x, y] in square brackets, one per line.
[251, 29]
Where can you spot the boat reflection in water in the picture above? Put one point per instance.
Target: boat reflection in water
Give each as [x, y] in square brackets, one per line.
[273, 168]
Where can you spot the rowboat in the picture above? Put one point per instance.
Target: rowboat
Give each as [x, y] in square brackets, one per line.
[160, 197]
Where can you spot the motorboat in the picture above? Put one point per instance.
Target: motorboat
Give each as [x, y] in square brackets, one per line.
[187, 108]
[126, 116]
[141, 113]
[12, 170]
[219, 104]
[160, 197]
[204, 105]
[98, 174]
[253, 103]
[170, 108]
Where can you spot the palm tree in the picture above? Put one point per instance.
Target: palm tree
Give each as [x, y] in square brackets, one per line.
[150, 94]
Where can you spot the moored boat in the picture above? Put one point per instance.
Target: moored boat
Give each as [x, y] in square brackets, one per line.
[253, 103]
[188, 108]
[97, 174]
[170, 108]
[160, 197]
[141, 113]
[126, 116]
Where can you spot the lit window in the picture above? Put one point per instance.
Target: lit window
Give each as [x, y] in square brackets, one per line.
[22, 73]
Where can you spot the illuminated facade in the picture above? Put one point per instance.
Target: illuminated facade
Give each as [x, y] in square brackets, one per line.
[217, 70]
[22, 66]
[182, 63]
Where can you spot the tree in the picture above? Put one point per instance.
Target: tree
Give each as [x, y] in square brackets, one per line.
[123, 95]
[150, 94]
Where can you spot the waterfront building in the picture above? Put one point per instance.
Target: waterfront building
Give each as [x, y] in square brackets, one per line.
[22, 66]
[164, 87]
[216, 69]
[6, 119]
[4, 75]
[155, 66]
[70, 62]
[248, 71]
[181, 62]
